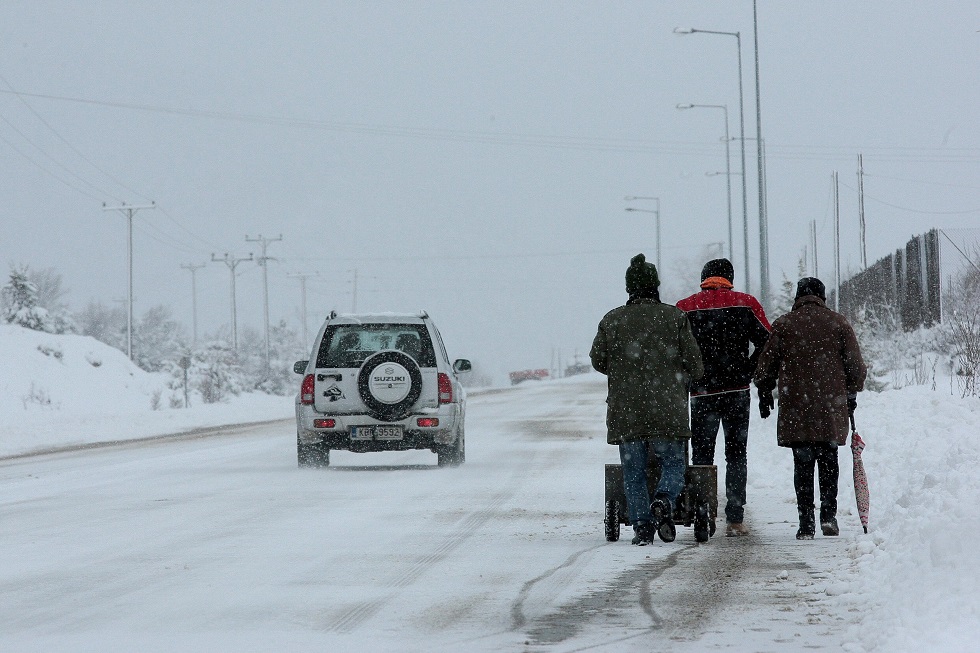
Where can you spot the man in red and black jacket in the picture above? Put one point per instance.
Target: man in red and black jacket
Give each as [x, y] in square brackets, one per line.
[725, 323]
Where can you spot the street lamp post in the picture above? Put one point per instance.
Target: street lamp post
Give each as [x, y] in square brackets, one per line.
[741, 121]
[728, 166]
[656, 212]
[763, 208]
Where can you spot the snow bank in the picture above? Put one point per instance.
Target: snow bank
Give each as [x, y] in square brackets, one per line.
[917, 576]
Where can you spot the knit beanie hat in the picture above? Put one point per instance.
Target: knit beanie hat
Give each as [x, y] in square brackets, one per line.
[811, 286]
[641, 276]
[719, 267]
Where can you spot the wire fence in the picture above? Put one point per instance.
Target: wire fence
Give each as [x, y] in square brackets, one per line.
[913, 282]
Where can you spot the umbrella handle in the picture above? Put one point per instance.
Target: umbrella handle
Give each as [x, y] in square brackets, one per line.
[853, 428]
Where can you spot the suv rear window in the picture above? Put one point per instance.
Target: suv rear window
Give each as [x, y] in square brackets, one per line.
[348, 345]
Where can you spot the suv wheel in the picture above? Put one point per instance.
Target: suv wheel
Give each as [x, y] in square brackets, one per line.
[453, 455]
[389, 384]
[312, 454]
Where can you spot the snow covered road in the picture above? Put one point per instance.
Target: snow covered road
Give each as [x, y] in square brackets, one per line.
[222, 543]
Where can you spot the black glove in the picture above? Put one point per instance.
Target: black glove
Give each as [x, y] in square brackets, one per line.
[852, 402]
[766, 402]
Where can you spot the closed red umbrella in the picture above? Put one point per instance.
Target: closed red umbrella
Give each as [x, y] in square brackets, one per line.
[861, 494]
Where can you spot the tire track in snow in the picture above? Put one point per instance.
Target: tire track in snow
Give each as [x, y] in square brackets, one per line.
[356, 615]
[630, 585]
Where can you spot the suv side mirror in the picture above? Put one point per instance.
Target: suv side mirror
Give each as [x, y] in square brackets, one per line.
[300, 366]
[462, 365]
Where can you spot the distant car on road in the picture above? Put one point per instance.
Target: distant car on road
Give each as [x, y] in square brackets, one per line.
[528, 375]
[380, 382]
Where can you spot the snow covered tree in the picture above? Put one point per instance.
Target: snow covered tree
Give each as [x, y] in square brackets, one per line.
[105, 324]
[20, 302]
[158, 338]
[787, 290]
[880, 337]
[961, 330]
[50, 296]
[284, 349]
[215, 372]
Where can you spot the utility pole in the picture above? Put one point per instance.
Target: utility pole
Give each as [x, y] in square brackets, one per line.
[232, 263]
[129, 211]
[302, 290]
[194, 268]
[263, 261]
[745, 206]
[864, 249]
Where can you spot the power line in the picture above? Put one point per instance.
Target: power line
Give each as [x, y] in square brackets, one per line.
[911, 210]
[69, 145]
[55, 161]
[635, 145]
[48, 172]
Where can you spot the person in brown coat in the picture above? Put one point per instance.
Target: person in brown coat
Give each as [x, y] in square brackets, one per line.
[814, 358]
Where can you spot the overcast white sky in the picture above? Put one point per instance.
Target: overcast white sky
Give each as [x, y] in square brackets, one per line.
[469, 158]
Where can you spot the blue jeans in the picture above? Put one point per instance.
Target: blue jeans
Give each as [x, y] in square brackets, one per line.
[731, 410]
[634, 456]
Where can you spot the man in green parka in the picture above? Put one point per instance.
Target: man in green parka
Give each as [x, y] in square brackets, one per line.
[649, 353]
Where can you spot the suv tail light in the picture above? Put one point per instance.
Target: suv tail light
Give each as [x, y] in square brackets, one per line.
[306, 391]
[445, 389]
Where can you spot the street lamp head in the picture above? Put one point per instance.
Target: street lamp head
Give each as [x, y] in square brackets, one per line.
[685, 106]
[683, 30]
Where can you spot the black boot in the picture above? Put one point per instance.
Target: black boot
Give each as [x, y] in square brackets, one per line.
[808, 525]
[644, 534]
[830, 528]
[663, 518]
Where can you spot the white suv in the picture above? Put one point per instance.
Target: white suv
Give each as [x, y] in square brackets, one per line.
[380, 382]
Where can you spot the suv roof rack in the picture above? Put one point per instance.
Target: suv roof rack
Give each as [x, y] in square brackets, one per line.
[423, 314]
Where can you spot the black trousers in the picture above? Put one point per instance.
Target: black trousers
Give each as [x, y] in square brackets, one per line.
[731, 411]
[824, 455]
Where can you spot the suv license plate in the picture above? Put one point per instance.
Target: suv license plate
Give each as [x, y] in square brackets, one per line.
[376, 432]
[388, 432]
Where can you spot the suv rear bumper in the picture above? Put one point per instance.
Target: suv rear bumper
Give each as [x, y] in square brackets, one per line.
[414, 437]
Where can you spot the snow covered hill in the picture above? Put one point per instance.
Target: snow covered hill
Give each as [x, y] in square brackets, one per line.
[61, 390]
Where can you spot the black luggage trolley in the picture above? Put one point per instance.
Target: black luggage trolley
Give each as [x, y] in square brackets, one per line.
[697, 504]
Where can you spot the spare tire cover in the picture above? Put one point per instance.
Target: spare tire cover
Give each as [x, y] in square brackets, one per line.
[389, 384]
